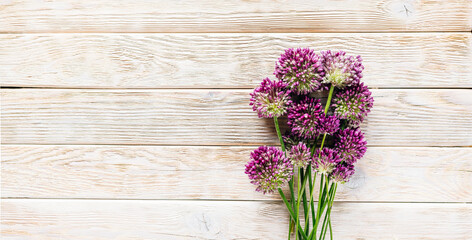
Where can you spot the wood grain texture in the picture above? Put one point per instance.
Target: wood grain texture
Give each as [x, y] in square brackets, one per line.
[235, 16]
[155, 172]
[223, 117]
[409, 60]
[103, 219]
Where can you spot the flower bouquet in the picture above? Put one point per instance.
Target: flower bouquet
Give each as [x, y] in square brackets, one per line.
[322, 143]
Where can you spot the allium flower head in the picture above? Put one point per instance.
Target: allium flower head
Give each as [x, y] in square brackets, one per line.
[305, 117]
[342, 173]
[270, 99]
[329, 125]
[353, 104]
[301, 69]
[325, 161]
[341, 70]
[350, 144]
[300, 155]
[269, 169]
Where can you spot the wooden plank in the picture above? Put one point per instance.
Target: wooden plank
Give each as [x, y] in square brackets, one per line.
[131, 219]
[224, 117]
[235, 16]
[155, 172]
[223, 60]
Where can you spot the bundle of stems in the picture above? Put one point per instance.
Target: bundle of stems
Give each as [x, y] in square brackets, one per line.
[311, 157]
[321, 217]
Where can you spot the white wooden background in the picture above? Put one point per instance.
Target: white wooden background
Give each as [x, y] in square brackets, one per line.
[129, 119]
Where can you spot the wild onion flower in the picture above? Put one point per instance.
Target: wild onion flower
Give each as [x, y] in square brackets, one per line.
[300, 155]
[341, 70]
[353, 104]
[350, 144]
[325, 161]
[269, 169]
[329, 125]
[342, 173]
[301, 69]
[270, 99]
[307, 119]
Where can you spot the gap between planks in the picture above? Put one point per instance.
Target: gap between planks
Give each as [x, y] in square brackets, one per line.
[219, 200]
[206, 88]
[252, 33]
[201, 145]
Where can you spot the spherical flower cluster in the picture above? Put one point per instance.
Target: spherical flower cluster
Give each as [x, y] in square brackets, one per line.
[300, 155]
[350, 144]
[269, 169]
[341, 70]
[301, 69]
[342, 173]
[325, 160]
[329, 125]
[270, 99]
[307, 119]
[353, 104]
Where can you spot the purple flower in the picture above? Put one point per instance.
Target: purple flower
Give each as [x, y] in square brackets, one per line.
[301, 69]
[329, 125]
[350, 144]
[269, 169]
[342, 173]
[270, 99]
[325, 160]
[300, 155]
[353, 104]
[341, 70]
[307, 119]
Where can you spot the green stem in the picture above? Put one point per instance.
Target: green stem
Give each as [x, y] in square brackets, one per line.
[290, 227]
[315, 226]
[321, 204]
[291, 212]
[328, 102]
[312, 204]
[307, 212]
[322, 143]
[290, 183]
[292, 200]
[330, 229]
[305, 206]
[328, 211]
[301, 190]
[324, 204]
[277, 128]
[298, 202]
[326, 218]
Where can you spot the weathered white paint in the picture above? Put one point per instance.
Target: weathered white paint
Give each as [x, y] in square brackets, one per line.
[180, 44]
[215, 117]
[235, 16]
[183, 172]
[236, 60]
